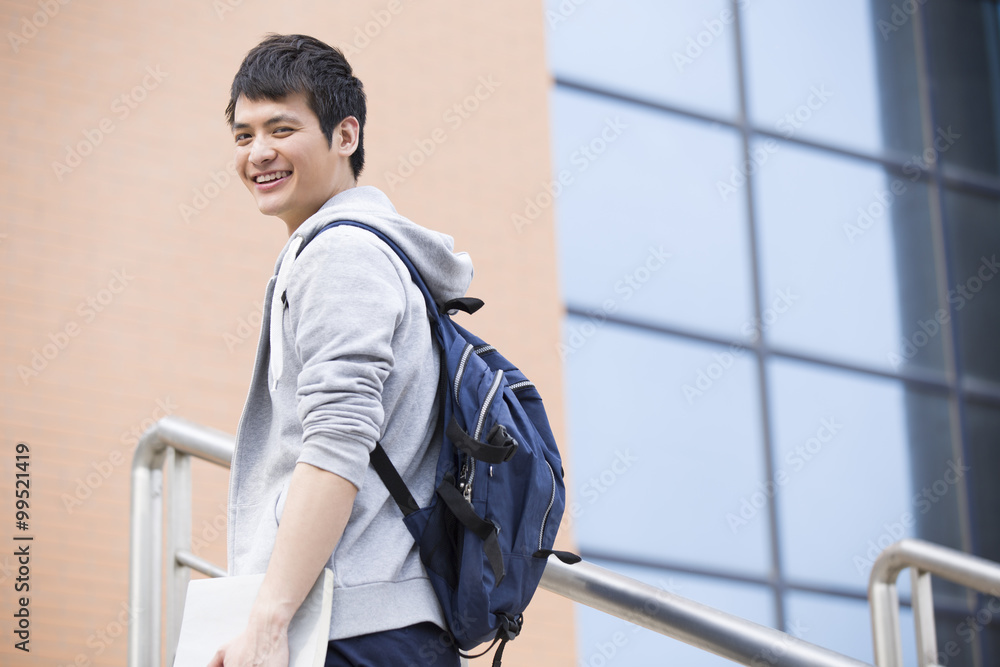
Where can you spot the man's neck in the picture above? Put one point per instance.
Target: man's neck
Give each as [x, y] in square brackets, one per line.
[293, 226]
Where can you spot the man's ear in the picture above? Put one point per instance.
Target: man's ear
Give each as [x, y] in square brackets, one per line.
[346, 136]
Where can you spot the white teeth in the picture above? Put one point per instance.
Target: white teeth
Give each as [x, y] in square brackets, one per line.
[266, 178]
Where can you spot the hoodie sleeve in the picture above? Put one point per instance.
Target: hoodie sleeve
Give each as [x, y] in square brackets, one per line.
[345, 301]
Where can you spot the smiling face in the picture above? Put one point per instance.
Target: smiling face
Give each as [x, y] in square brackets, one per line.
[285, 160]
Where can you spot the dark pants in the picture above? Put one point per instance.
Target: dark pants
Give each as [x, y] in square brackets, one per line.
[421, 645]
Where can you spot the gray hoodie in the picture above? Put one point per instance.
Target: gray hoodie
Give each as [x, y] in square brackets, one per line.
[348, 360]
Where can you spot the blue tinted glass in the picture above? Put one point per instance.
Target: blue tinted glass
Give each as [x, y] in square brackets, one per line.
[974, 295]
[983, 425]
[679, 52]
[813, 73]
[831, 232]
[843, 625]
[606, 640]
[842, 472]
[964, 46]
[666, 443]
[643, 231]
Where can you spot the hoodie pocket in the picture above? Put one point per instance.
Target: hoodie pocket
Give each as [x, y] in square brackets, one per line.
[279, 502]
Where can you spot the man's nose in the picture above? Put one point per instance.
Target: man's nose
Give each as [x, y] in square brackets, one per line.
[261, 151]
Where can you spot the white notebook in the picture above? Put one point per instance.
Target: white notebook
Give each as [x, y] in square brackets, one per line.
[216, 610]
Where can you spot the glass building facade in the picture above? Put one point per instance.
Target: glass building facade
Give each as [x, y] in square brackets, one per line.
[779, 233]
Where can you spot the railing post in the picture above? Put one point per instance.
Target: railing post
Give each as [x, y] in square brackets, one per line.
[884, 601]
[923, 617]
[146, 526]
[146, 550]
[178, 539]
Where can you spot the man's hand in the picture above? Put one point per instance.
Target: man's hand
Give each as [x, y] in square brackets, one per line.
[254, 648]
[306, 538]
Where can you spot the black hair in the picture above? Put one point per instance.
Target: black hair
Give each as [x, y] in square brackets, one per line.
[285, 64]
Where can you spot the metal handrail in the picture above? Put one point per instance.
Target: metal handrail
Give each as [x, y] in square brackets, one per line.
[709, 629]
[923, 559]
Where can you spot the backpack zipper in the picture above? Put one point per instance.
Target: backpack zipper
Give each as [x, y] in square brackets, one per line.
[490, 396]
[523, 384]
[460, 371]
[552, 500]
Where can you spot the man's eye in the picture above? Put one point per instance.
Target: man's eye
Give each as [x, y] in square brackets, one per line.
[242, 138]
[283, 130]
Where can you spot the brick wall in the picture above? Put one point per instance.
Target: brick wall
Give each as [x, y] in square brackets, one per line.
[134, 262]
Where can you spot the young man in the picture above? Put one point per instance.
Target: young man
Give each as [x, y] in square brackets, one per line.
[346, 358]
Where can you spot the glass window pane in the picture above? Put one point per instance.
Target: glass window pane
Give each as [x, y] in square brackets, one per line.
[843, 472]
[673, 465]
[844, 625]
[983, 424]
[813, 73]
[831, 230]
[606, 640]
[642, 230]
[965, 65]
[974, 224]
[677, 52]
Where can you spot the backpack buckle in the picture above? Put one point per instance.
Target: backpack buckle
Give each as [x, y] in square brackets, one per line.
[498, 437]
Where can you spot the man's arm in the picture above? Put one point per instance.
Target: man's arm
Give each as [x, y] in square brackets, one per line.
[316, 511]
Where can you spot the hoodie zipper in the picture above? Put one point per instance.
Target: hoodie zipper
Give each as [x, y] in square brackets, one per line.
[243, 415]
[490, 396]
[548, 510]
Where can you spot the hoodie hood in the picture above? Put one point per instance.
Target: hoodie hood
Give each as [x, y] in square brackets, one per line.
[447, 273]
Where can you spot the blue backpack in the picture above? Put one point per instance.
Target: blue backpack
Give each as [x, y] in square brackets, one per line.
[487, 532]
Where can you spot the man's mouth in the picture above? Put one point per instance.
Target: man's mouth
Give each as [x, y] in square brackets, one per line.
[273, 176]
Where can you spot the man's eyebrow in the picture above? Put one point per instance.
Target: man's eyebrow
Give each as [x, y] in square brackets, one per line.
[273, 120]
